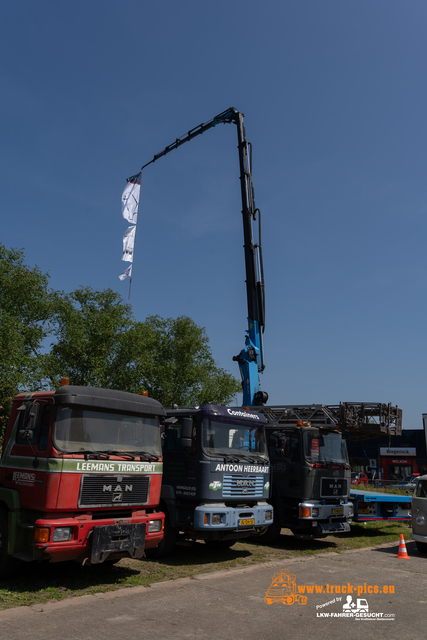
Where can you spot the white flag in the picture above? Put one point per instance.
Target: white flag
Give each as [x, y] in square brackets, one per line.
[129, 244]
[130, 199]
[126, 273]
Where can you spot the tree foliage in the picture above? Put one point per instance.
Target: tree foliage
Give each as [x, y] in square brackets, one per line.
[96, 341]
[99, 343]
[25, 320]
[172, 360]
[89, 327]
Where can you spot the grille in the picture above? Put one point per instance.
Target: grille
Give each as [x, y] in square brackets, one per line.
[114, 491]
[333, 487]
[237, 486]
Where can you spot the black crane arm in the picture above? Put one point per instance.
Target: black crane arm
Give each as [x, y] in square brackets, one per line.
[250, 359]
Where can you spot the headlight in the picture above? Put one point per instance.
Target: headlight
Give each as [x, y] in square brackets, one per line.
[216, 518]
[420, 520]
[268, 515]
[62, 534]
[350, 510]
[314, 513]
[154, 526]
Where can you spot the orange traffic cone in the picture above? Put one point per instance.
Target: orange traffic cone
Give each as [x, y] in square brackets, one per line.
[403, 554]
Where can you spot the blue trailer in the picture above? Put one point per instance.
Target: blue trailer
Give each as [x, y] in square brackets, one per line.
[370, 506]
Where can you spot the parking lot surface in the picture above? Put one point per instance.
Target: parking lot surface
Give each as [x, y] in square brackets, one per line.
[367, 593]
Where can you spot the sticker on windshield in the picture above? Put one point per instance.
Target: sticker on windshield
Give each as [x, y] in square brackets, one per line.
[314, 448]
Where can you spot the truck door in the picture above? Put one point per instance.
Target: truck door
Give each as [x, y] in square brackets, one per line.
[27, 459]
[179, 462]
[284, 449]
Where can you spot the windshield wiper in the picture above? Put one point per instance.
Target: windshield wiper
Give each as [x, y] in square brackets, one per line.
[228, 457]
[147, 456]
[339, 463]
[121, 454]
[243, 456]
[133, 455]
[90, 453]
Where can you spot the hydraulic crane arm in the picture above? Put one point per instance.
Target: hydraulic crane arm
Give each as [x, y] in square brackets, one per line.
[250, 359]
[224, 117]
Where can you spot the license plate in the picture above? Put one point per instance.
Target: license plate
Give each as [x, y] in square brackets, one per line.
[363, 510]
[248, 522]
[337, 511]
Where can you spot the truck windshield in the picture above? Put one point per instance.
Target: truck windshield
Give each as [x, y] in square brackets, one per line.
[325, 448]
[225, 438]
[80, 428]
[421, 489]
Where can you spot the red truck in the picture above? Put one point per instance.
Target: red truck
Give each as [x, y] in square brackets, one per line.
[80, 477]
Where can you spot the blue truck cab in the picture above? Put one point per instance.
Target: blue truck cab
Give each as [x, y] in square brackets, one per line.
[216, 476]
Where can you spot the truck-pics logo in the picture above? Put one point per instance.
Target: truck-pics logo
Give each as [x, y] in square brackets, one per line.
[215, 485]
[283, 589]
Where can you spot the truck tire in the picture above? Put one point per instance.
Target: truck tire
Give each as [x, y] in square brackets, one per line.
[166, 545]
[421, 546]
[8, 565]
[271, 535]
[220, 544]
[307, 534]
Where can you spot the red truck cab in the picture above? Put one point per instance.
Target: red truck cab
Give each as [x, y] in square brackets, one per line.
[80, 477]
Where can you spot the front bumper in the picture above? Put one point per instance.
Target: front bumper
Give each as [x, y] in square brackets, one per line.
[316, 510]
[418, 538]
[318, 519]
[95, 540]
[221, 518]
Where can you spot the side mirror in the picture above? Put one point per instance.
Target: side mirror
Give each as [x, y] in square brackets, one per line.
[25, 434]
[187, 432]
[31, 413]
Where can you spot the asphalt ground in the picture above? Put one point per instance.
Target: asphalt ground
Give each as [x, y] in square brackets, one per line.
[231, 605]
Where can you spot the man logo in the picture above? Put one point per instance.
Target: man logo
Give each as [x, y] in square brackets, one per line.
[117, 491]
[245, 483]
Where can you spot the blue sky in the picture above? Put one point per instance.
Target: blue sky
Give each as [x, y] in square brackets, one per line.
[335, 99]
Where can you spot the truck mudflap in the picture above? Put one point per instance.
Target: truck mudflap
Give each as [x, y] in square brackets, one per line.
[118, 538]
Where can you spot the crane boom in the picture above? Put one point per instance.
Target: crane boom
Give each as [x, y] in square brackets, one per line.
[250, 358]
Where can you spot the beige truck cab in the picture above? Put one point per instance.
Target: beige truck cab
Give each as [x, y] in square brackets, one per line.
[419, 514]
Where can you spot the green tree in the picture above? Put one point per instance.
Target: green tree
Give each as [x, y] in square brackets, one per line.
[99, 343]
[172, 360]
[25, 322]
[90, 329]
